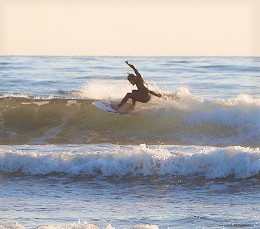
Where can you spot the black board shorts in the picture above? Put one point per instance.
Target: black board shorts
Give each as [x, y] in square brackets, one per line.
[145, 96]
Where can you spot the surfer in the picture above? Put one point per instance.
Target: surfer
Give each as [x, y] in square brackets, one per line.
[142, 94]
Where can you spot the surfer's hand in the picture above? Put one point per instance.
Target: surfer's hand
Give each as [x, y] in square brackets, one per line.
[126, 62]
[159, 95]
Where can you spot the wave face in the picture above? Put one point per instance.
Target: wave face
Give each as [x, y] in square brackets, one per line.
[131, 161]
[179, 118]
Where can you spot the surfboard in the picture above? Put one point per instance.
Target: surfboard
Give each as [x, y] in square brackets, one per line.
[111, 106]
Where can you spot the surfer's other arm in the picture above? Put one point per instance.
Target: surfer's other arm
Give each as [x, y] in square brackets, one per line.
[155, 94]
[135, 70]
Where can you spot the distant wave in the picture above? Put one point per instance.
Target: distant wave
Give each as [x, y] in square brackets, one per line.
[179, 118]
[131, 161]
[82, 225]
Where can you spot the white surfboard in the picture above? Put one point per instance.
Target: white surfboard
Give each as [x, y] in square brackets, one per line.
[111, 106]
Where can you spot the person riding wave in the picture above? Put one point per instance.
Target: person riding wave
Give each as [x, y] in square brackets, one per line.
[142, 94]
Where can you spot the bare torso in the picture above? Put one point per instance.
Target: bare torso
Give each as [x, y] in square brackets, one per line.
[140, 86]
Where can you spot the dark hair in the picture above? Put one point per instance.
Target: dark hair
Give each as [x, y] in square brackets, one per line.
[131, 77]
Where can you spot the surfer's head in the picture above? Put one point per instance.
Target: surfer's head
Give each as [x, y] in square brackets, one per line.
[131, 78]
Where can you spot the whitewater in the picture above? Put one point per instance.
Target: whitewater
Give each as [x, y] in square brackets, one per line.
[131, 161]
[188, 160]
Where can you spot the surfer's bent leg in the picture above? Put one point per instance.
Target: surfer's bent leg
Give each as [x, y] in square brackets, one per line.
[128, 96]
[135, 96]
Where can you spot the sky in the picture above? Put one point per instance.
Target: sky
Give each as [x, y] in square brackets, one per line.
[130, 27]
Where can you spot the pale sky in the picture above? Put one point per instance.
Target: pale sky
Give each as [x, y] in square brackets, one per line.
[130, 27]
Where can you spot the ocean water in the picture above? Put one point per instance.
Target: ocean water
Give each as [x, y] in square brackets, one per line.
[188, 160]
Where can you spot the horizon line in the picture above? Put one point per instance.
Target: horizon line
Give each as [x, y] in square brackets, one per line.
[136, 56]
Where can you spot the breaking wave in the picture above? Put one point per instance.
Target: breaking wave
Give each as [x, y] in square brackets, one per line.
[131, 161]
[178, 118]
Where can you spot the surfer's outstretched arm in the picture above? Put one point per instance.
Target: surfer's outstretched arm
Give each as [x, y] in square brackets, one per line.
[153, 93]
[135, 70]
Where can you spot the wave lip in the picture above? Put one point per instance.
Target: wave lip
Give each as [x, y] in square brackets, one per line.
[132, 161]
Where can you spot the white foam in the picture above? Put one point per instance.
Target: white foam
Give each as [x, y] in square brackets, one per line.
[78, 225]
[11, 95]
[11, 226]
[38, 103]
[73, 102]
[7, 95]
[111, 160]
[232, 121]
